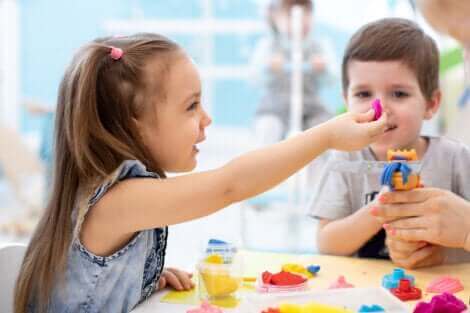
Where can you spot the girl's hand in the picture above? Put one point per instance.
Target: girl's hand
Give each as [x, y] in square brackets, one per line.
[177, 279]
[411, 255]
[353, 131]
[427, 214]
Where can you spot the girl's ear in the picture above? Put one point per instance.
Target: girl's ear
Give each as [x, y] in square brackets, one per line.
[433, 104]
[139, 125]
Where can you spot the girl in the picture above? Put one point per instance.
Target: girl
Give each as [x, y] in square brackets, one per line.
[128, 112]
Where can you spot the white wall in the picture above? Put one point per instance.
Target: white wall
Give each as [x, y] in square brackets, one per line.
[9, 69]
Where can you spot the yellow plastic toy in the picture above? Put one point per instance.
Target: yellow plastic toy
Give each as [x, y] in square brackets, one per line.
[414, 180]
[297, 269]
[311, 308]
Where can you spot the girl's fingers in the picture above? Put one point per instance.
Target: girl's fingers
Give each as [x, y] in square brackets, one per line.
[161, 283]
[419, 222]
[417, 195]
[378, 127]
[410, 234]
[173, 280]
[365, 117]
[183, 277]
[396, 211]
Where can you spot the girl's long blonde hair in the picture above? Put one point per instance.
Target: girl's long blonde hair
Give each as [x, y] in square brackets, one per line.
[99, 100]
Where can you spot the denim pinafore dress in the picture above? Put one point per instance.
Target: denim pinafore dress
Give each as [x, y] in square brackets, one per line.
[115, 283]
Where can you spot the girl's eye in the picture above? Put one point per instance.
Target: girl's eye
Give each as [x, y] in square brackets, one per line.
[362, 94]
[400, 94]
[193, 106]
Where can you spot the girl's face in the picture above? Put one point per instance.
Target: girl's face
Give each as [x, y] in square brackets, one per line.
[398, 90]
[178, 121]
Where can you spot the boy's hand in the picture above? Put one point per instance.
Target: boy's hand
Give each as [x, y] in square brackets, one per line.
[353, 131]
[177, 279]
[411, 255]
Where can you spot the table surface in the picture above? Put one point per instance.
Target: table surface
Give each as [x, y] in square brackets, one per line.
[360, 272]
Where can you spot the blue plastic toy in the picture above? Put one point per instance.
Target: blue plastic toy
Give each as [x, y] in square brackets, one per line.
[370, 308]
[387, 174]
[392, 280]
[313, 269]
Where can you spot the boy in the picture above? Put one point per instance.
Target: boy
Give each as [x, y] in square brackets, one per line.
[395, 61]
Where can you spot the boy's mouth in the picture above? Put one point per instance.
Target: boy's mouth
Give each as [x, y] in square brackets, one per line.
[390, 128]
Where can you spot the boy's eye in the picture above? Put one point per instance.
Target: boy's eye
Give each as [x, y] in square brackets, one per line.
[400, 94]
[193, 106]
[362, 94]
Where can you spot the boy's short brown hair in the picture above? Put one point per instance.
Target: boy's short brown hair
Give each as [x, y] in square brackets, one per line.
[396, 39]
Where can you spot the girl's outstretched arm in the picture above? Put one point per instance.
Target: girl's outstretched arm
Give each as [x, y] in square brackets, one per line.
[138, 204]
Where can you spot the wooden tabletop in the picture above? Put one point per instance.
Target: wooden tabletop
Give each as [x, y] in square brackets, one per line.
[359, 272]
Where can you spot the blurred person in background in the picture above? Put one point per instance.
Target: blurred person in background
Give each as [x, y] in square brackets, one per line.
[272, 59]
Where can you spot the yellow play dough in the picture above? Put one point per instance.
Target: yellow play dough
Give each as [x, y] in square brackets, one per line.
[297, 269]
[218, 283]
[311, 308]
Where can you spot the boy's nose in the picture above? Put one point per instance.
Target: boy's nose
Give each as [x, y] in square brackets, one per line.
[385, 105]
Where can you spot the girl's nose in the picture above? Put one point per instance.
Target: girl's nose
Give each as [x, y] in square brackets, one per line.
[206, 119]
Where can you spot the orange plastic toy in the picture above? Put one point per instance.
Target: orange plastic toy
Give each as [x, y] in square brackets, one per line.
[414, 180]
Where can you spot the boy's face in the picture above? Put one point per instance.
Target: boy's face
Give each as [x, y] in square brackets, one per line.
[398, 89]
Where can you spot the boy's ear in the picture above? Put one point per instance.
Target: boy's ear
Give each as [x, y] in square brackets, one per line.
[345, 99]
[433, 104]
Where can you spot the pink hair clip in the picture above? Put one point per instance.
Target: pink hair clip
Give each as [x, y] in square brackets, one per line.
[116, 53]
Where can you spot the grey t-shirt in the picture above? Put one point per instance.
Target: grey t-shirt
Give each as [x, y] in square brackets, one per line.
[445, 165]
